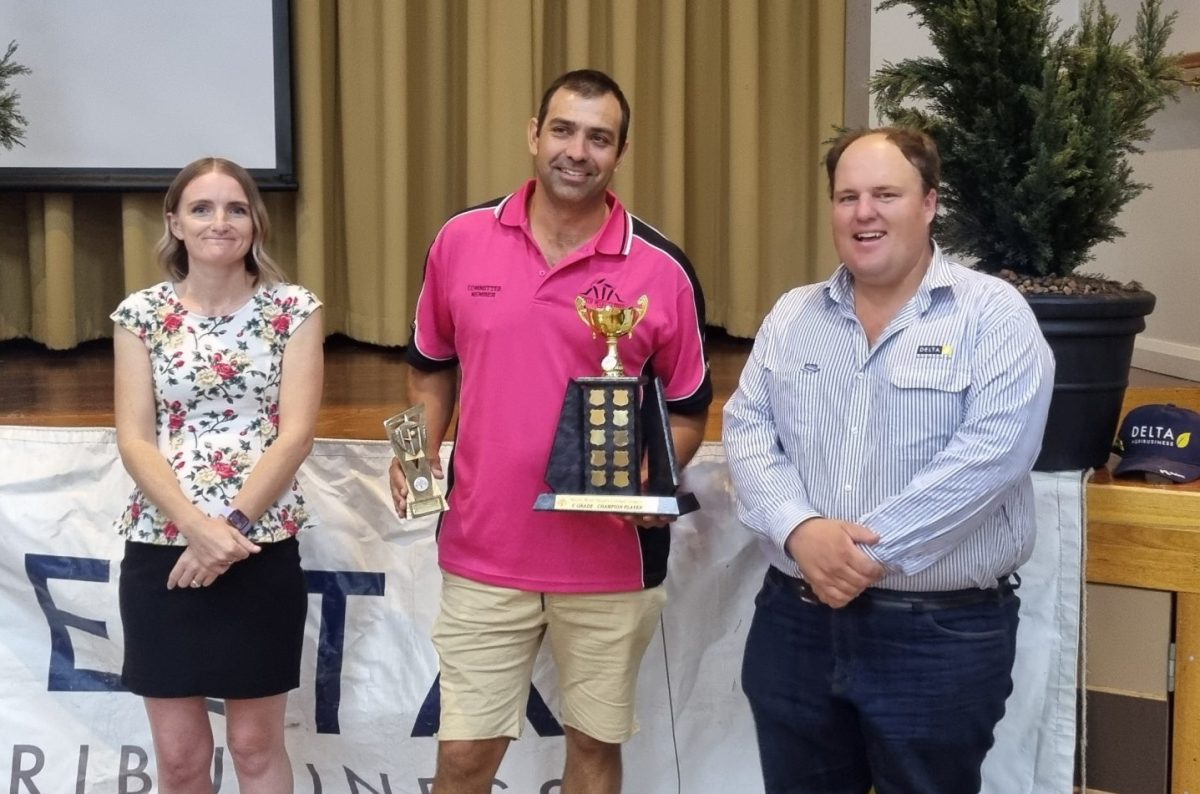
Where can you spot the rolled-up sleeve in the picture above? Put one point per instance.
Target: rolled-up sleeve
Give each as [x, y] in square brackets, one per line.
[991, 451]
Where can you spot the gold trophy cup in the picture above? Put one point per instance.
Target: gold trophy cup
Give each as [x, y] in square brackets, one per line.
[406, 431]
[611, 322]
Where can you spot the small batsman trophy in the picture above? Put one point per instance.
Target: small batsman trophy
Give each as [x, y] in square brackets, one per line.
[606, 429]
[406, 431]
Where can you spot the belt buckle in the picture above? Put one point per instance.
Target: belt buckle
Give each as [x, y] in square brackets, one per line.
[805, 591]
[798, 586]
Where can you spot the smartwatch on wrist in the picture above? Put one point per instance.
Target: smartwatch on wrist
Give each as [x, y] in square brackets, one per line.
[238, 520]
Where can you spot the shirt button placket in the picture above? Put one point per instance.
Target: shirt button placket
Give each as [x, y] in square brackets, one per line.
[851, 462]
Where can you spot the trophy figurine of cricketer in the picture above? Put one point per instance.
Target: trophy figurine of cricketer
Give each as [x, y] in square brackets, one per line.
[406, 431]
[607, 428]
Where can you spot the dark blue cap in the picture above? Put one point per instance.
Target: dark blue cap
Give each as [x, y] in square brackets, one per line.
[1162, 440]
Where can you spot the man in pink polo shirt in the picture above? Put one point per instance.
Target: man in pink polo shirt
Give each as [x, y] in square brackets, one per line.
[498, 305]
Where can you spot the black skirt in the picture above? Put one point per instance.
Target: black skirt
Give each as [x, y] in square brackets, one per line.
[240, 637]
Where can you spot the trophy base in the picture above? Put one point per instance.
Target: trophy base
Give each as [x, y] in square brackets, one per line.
[625, 504]
[425, 507]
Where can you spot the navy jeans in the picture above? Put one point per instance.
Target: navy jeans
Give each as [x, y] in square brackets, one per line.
[844, 699]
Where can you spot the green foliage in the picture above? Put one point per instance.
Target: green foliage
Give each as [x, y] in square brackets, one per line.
[12, 123]
[1035, 127]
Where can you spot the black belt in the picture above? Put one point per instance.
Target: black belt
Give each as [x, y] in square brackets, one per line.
[910, 601]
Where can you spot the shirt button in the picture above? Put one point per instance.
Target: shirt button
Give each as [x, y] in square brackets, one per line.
[853, 430]
[541, 272]
[849, 487]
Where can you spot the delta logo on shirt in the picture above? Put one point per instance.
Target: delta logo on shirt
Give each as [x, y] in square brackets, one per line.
[943, 351]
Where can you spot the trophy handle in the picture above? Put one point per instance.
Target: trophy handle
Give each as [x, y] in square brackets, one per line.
[582, 310]
[639, 311]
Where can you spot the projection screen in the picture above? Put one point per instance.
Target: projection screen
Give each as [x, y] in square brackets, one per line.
[123, 93]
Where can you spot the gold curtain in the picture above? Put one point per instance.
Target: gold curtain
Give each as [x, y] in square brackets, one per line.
[406, 111]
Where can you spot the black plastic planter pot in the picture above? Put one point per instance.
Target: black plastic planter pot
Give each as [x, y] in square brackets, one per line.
[1092, 339]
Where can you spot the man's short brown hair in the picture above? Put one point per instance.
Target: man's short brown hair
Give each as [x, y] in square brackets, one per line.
[916, 146]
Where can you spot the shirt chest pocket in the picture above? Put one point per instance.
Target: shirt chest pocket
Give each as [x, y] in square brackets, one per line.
[927, 403]
[796, 399]
[934, 378]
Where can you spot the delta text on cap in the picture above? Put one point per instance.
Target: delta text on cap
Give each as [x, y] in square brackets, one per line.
[1158, 439]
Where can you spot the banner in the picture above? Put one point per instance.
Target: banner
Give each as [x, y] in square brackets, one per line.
[363, 718]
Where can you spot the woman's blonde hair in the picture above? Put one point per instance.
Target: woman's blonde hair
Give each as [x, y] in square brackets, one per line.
[173, 256]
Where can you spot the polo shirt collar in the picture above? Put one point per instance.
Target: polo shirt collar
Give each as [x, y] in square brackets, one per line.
[614, 237]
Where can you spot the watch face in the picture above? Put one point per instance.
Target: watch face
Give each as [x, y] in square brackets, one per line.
[237, 519]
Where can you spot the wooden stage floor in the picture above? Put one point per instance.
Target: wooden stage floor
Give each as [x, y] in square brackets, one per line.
[364, 384]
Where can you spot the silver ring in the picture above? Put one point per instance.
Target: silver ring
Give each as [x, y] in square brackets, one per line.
[195, 583]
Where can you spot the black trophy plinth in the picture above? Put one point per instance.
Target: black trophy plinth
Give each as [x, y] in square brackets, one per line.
[596, 462]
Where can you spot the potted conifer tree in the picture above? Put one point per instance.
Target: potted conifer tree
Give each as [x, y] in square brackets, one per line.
[1035, 128]
[12, 123]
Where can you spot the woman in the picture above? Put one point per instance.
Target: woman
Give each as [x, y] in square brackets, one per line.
[218, 381]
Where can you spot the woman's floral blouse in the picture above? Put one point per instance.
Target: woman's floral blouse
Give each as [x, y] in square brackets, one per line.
[216, 388]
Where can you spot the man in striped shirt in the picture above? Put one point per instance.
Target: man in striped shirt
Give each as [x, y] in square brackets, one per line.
[880, 442]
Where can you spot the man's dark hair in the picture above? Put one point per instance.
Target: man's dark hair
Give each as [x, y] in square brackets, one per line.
[588, 83]
[917, 147]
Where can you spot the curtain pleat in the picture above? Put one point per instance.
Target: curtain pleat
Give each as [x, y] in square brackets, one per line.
[406, 112]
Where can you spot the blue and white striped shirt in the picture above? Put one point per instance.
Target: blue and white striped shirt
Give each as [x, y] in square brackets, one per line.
[928, 438]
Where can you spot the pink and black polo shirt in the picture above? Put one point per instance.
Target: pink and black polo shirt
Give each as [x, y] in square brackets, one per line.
[491, 305]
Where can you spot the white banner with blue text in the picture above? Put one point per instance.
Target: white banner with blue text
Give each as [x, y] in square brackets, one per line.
[362, 721]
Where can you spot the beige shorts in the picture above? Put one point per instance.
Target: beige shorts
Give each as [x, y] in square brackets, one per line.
[488, 637]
